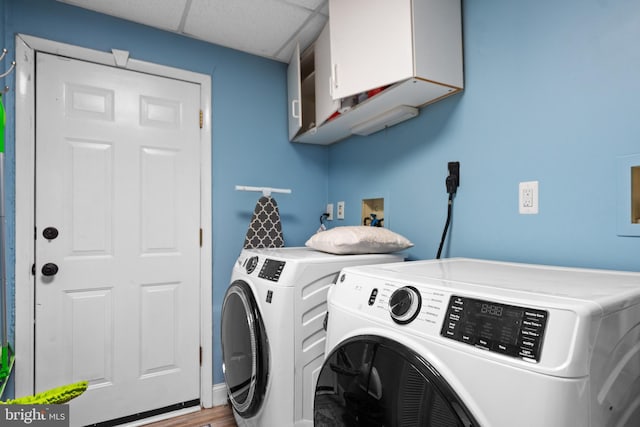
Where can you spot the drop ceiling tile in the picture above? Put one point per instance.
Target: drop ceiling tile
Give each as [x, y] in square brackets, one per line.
[267, 28]
[163, 14]
[307, 35]
[259, 27]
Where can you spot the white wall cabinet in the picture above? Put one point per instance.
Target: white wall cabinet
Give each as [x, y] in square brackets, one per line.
[309, 82]
[301, 92]
[294, 94]
[371, 44]
[326, 104]
[412, 48]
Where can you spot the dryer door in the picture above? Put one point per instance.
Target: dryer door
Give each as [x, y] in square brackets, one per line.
[374, 381]
[245, 350]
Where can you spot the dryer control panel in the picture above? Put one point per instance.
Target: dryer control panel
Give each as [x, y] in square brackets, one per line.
[271, 269]
[507, 329]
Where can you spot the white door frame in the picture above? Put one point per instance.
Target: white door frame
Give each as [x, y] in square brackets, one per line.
[26, 47]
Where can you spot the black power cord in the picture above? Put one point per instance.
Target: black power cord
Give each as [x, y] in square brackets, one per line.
[323, 217]
[452, 183]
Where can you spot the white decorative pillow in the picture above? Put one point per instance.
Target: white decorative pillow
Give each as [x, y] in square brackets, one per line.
[358, 239]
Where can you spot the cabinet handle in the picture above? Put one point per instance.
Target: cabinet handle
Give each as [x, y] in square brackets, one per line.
[293, 109]
[335, 76]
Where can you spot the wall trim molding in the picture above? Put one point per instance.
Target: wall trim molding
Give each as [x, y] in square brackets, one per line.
[219, 393]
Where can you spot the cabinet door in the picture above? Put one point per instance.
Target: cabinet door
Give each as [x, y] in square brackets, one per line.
[325, 104]
[371, 44]
[294, 94]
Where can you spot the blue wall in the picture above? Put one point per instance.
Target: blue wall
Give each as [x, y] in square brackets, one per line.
[249, 132]
[2, 24]
[551, 94]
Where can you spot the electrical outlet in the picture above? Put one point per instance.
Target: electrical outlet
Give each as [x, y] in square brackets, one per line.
[340, 212]
[453, 180]
[329, 211]
[528, 197]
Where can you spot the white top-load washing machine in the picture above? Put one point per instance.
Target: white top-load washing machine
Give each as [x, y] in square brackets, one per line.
[463, 342]
[272, 331]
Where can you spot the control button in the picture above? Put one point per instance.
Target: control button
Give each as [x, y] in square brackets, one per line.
[484, 343]
[405, 304]
[532, 323]
[372, 297]
[525, 352]
[528, 343]
[504, 348]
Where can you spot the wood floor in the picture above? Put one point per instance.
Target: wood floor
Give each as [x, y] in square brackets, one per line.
[218, 416]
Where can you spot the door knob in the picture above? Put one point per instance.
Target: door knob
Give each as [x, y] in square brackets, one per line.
[49, 269]
[50, 233]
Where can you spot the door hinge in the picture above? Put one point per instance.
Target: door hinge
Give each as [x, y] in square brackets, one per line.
[200, 356]
[201, 237]
[201, 119]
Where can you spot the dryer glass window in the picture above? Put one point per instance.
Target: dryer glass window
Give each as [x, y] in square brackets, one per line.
[373, 381]
[244, 349]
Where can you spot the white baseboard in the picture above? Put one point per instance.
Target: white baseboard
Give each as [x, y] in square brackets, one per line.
[220, 394]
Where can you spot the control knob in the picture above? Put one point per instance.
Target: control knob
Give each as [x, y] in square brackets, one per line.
[405, 304]
[252, 263]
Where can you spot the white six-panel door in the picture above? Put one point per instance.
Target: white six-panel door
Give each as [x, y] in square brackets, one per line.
[118, 176]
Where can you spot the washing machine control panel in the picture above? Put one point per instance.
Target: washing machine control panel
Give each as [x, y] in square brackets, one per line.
[271, 269]
[507, 329]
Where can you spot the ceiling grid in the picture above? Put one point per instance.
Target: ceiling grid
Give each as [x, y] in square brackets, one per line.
[267, 28]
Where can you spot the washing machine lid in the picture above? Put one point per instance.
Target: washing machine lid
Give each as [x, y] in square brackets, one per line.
[375, 381]
[291, 266]
[291, 253]
[309, 255]
[607, 290]
[245, 350]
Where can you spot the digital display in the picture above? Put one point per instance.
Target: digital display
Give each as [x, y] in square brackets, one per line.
[491, 309]
[507, 329]
[271, 270]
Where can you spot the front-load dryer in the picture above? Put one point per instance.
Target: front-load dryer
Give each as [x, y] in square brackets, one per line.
[462, 342]
[272, 331]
